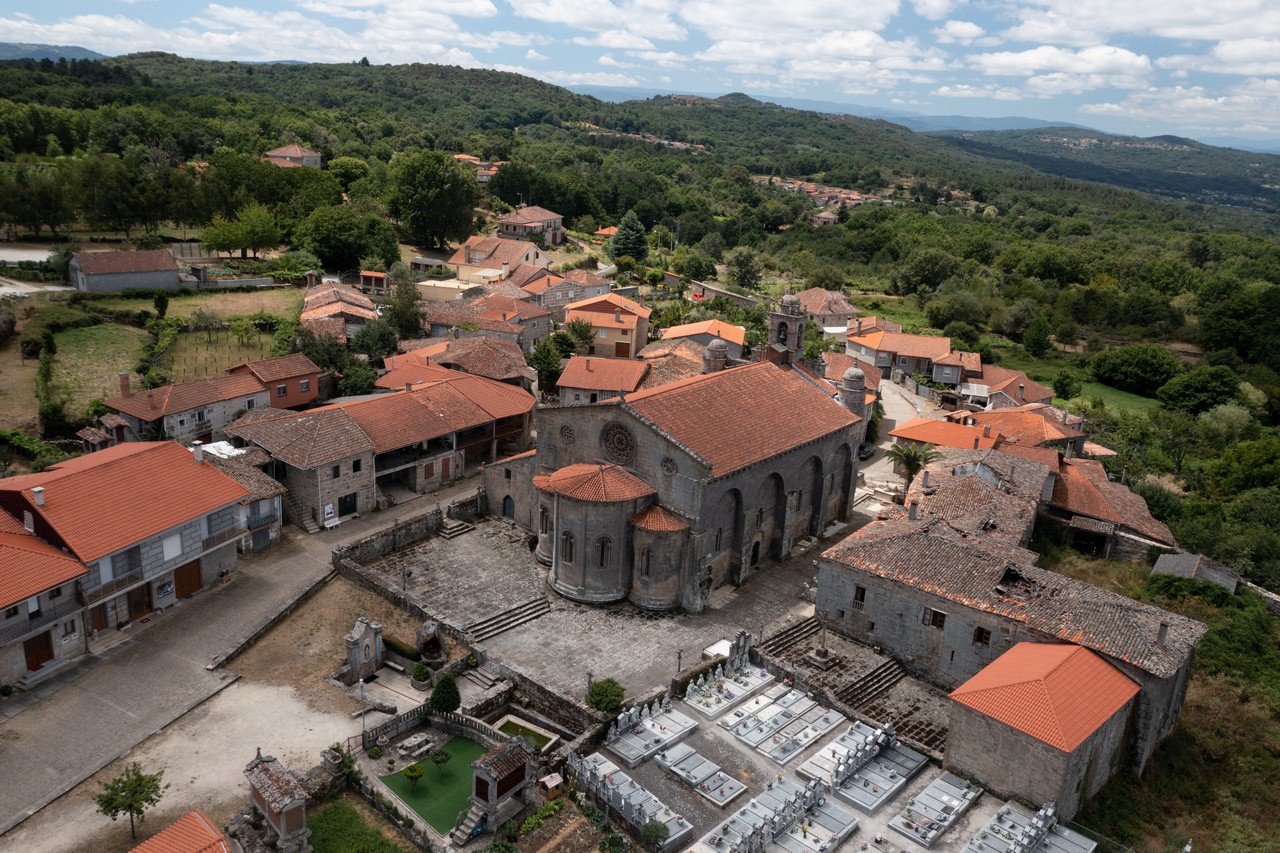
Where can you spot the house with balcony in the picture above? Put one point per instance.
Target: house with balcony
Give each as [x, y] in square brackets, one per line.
[530, 222]
[554, 292]
[151, 522]
[293, 380]
[340, 460]
[187, 411]
[897, 352]
[483, 259]
[260, 513]
[620, 326]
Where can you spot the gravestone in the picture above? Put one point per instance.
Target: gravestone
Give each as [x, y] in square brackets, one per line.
[364, 648]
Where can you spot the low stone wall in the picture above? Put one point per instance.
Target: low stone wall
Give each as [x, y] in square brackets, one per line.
[402, 534]
[459, 725]
[416, 835]
[396, 726]
[1272, 600]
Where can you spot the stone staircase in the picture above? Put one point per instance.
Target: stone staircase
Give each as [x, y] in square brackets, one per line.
[452, 528]
[298, 515]
[789, 636]
[462, 832]
[508, 619]
[485, 676]
[871, 686]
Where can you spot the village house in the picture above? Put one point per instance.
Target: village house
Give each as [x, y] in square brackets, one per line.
[346, 458]
[586, 379]
[293, 156]
[112, 272]
[701, 291]
[671, 361]
[620, 326]
[332, 308]
[490, 311]
[900, 353]
[828, 309]
[488, 357]
[482, 259]
[940, 433]
[187, 411]
[994, 387]
[530, 222]
[194, 832]
[835, 364]
[151, 521]
[703, 333]
[1104, 518]
[259, 514]
[293, 380]
[1026, 428]
[554, 292]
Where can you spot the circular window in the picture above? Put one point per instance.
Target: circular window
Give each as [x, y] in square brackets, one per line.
[566, 434]
[619, 444]
[668, 465]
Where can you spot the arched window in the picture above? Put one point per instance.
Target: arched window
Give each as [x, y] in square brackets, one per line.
[644, 562]
[604, 550]
[544, 519]
[719, 534]
[566, 547]
[782, 333]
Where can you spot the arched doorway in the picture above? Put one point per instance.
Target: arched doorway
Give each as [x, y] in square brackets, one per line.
[726, 548]
[771, 514]
[812, 482]
[508, 507]
[843, 483]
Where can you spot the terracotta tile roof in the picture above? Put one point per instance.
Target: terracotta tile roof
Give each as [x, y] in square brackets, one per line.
[658, 519]
[278, 786]
[1004, 380]
[191, 833]
[586, 278]
[783, 411]
[331, 327]
[534, 284]
[1050, 413]
[111, 420]
[1025, 428]
[153, 404]
[996, 578]
[109, 500]
[871, 324]
[1047, 456]
[505, 758]
[607, 231]
[281, 162]
[1097, 450]
[29, 565]
[595, 373]
[303, 439]
[717, 328]
[528, 215]
[606, 304]
[259, 485]
[491, 252]
[1058, 694]
[945, 434]
[488, 357]
[92, 435]
[970, 362]
[595, 483]
[291, 150]
[325, 293]
[816, 301]
[911, 346]
[671, 361]
[280, 367]
[1083, 488]
[837, 363]
[503, 307]
[9, 524]
[116, 263]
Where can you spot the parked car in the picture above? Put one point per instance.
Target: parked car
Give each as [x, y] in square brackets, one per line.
[866, 450]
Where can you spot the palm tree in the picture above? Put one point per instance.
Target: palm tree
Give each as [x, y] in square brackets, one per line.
[912, 458]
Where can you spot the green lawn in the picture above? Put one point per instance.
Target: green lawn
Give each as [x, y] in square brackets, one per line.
[339, 827]
[1044, 369]
[439, 797]
[894, 309]
[89, 360]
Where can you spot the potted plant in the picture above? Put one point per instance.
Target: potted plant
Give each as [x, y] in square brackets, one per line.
[420, 678]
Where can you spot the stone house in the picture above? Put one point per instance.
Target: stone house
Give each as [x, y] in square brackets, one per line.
[946, 605]
[943, 433]
[554, 292]
[151, 522]
[483, 259]
[660, 496]
[490, 312]
[1101, 517]
[1045, 722]
[346, 458]
[1028, 429]
[621, 326]
[259, 514]
[1197, 567]
[995, 387]
[293, 380]
[329, 303]
[898, 352]
[587, 380]
[827, 308]
[111, 272]
[735, 337]
[187, 411]
[293, 156]
[491, 358]
[528, 222]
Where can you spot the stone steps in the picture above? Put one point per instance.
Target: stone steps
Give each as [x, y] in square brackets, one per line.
[485, 676]
[453, 528]
[462, 833]
[789, 636]
[508, 619]
[871, 686]
[298, 516]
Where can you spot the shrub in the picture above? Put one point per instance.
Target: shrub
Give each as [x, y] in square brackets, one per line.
[401, 648]
[653, 834]
[539, 817]
[420, 672]
[445, 697]
[606, 695]
[413, 773]
[375, 752]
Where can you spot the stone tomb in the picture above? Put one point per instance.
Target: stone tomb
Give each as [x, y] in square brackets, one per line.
[711, 694]
[865, 767]
[640, 733]
[780, 723]
[699, 773]
[932, 811]
[784, 817]
[1011, 831]
[601, 779]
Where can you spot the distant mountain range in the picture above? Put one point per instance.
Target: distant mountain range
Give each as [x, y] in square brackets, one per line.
[14, 50]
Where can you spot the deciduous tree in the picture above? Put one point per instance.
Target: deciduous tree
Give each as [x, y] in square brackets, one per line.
[432, 196]
[131, 793]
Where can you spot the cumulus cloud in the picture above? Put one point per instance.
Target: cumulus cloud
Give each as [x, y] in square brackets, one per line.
[958, 32]
[965, 90]
[934, 10]
[1102, 59]
[534, 55]
[614, 40]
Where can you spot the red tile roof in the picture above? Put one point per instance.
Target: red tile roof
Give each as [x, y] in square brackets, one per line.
[109, 500]
[717, 328]
[606, 304]
[816, 300]
[491, 252]
[658, 519]
[1004, 380]
[280, 367]
[536, 284]
[837, 363]
[585, 278]
[594, 373]
[945, 434]
[528, 215]
[1058, 694]
[1026, 428]
[526, 276]
[29, 565]
[671, 361]
[871, 324]
[116, 263]
[774, 411]
[303, 439]
[595, 483]
[332, 327]
[1083, 488]
[911, 346]
[153, 404]
[191, 833]
[9, 524]
[325, 293]
[293, 149]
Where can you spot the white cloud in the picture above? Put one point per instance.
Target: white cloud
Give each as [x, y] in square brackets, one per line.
[958, 32]
[1253, 106]
[934, 10]
[614, 40]
[661, 58]
[1085, 22]
[1102, 59]
[1250, 57]
[650, 18]
[964, 90]
[534, 55]
[609, 62]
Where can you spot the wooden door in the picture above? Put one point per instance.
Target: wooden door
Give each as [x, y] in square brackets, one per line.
[100, 617]
[347, 504]
[139, 602]
[444, 469]
[39, 650]
[186, 579]
[621, 350]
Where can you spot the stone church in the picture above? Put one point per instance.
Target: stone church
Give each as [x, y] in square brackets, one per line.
[662, 495]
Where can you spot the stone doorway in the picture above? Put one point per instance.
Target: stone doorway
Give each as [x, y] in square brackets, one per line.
[139, 602]
[39, 650]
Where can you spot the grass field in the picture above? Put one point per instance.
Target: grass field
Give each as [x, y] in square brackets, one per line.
[892, 308]
[197, 355]
[285, 301]
[89, 360]
[439, 797]
[343, 827]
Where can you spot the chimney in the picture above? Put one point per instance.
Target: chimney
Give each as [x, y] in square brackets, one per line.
[857, 328]
[617, 315]
[151, 399]
[124, 384]
[37, 492]
[1124, 476]
[197, 450]
[506, 270]
[913, 509]
[588, 364]
[466, 254]
[1162, 634]
[986, 430]
[1021, 388]
[925, 481]
[313, 278]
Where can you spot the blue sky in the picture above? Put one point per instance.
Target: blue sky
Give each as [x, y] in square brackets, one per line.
[1190, 67]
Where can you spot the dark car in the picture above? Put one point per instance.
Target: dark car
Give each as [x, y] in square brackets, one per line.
[866, 450]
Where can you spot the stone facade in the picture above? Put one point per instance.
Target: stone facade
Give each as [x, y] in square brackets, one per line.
[334, 490]
[59, 615]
